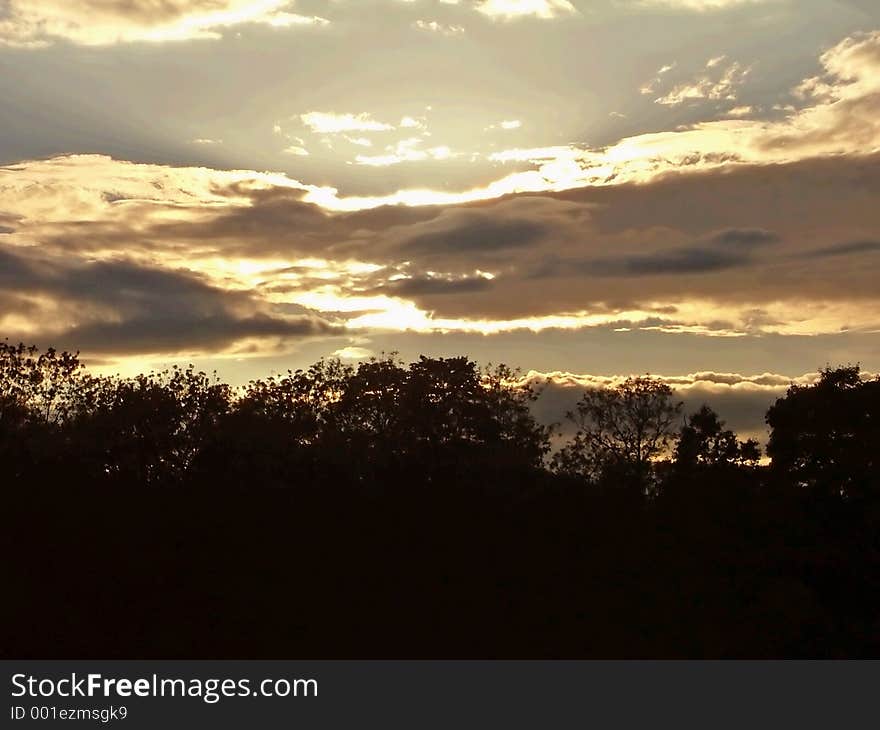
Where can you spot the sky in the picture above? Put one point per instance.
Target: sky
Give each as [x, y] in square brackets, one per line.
[585, 189]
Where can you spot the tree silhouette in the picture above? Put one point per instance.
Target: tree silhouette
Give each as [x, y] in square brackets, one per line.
[703, 441]
[825, 436]
[440, 417]
[408, 509]
[36, 392]
[275, 433]
[36, 385]
[620, 431]
[148, 429]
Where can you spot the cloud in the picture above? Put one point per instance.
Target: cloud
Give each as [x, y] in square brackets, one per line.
[701, 5]
[511, 9]
[90, 187]
[187, 335]
[434, 26]
[353, 353]
[359, 141]
[746, 238]
[632, 256]
[332, 123]
[707, 86]
[725, 250]
[472, 231]
[651, 86]
[678, 261]
[121, 307]
[740, 400]
[843, 117]
[407, 150]
[411, 123]
[507, 125]
[845, 249]
[425, 285]
[740, 111]
[485, 230]
[8, 223]
[746, 226]
[296, 150]
[733, 262]
[36, 23]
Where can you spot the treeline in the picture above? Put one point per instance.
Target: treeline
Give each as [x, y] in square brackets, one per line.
[332, 424]
[394, 510]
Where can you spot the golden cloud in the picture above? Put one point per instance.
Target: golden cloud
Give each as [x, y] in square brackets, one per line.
[247, 251]
[35, 23]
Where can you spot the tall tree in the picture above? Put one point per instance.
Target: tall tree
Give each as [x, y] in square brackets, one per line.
[620, 432]
[825, 436]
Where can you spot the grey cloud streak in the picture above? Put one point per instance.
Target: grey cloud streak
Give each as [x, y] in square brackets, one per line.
[845, 249]
[188, 333]
[725, 250]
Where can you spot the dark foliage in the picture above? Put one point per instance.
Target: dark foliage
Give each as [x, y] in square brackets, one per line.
[827, 437]
[391, 510]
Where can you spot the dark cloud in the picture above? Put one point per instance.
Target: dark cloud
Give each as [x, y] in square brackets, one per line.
[737, 239]
[187, 333]
[745, 237]
[748, 230]
[810, 194]
[680, 261]
[419, 286]
[845, 249]
[725, 250]
[275, 221]
[6, 220]
[459, 238]
[13, 269]
[119, 286]
[122, 307]
[114, 197]
[475, 233]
